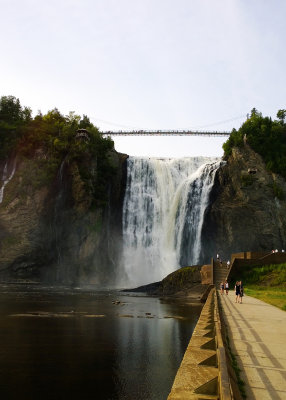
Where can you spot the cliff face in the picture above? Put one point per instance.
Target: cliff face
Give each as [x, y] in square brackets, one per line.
[54, 231]
[247, 210]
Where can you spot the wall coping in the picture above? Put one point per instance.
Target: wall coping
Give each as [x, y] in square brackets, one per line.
[203, 371]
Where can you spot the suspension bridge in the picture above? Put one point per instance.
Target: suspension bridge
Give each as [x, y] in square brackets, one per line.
[165, 132]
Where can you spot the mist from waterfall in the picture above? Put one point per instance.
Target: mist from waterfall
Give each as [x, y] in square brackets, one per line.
[163, 213]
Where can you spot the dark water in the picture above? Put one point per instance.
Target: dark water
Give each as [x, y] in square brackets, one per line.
[63, 344]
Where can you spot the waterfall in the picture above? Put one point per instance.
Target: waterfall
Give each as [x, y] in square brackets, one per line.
[6, 179]
[163, 213]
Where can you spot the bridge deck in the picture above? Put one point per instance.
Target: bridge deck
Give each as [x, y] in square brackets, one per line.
[165, 133]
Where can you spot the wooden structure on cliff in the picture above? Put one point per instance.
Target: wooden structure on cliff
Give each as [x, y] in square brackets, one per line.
[82, 134]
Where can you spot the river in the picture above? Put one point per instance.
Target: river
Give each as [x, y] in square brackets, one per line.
[60, 343]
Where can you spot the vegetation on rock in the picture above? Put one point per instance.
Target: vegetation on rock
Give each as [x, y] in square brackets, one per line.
[265, 137]
[181, 279]
[48, 140]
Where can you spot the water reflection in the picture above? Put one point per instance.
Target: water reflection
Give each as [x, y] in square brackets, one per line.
[62, 344]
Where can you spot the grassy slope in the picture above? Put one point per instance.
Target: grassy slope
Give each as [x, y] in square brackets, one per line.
[267, 283]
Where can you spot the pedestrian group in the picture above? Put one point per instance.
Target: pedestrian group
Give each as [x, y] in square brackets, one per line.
[238, 290]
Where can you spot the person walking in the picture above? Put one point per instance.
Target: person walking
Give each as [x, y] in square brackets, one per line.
[237, 292]
[226, 287]
[221, 288]
[241, 291]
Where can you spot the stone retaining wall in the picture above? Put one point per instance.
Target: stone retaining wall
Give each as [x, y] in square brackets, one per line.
[203, 372]
[207, 274]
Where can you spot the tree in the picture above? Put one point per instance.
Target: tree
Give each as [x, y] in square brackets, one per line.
[54, 117]
[255, 113]
[13, 119]
[10, 109]
[85, 122]
[281, 115]
[27, 114]
[265, 137]
[73, 119]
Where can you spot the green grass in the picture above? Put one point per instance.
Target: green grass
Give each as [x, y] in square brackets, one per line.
[266, 283]
[274, 296]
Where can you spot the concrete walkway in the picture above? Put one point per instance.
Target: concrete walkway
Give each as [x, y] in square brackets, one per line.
[257, 333]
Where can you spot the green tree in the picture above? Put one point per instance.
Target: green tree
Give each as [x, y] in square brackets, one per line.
[55, 136]
[11, 110]
[13, 118]
[266, 137]
[281, 115]
[85, 122]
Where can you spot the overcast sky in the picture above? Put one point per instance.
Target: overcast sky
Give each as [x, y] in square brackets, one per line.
[155, 64]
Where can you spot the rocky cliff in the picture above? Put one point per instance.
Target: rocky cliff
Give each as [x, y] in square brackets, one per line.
[64, 229]
[53, 230]
[247, 210]
[185, 282]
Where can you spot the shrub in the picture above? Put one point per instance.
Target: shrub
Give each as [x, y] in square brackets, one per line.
[247, 180]
[278, 192]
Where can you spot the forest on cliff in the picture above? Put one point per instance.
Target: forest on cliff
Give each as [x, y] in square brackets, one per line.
[54, 136]
[54, 133]
[265, 136]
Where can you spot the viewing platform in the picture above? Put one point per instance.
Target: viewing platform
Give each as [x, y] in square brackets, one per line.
[251, 334]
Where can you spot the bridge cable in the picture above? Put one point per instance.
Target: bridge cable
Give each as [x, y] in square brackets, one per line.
[193, 128]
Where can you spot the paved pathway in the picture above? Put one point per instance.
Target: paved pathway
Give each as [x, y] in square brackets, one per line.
[257, 333]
